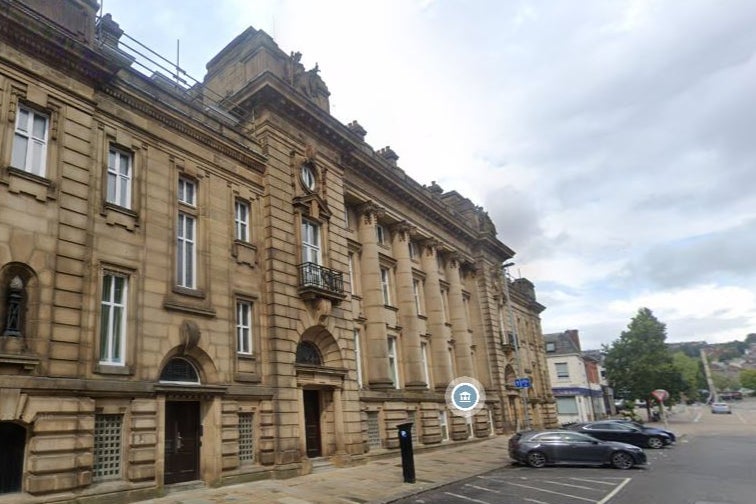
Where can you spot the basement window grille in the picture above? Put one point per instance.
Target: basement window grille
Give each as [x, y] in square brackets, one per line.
[374, 431]
[107, 447]
[246, 438]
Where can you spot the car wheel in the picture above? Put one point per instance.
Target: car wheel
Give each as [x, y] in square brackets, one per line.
[655, 442]
[536, 459]
[622, 460]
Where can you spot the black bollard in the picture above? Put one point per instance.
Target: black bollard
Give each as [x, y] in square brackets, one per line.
[408, 460]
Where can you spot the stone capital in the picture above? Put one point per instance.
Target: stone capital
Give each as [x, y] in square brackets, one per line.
[402, 230]
[370, 212]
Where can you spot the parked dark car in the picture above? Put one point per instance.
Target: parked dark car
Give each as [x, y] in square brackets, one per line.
[552, 447]
[622, 432]
[650, 430]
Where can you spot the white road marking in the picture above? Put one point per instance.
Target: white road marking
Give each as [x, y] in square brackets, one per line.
[615, 491]
[597, 482]
[536, 501]
[550, 491]
[568, 485]
[483, 488]
[466, 498]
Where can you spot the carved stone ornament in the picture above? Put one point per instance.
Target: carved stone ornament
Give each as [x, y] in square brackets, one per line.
[369, 211]
[190, 335]
[430, 245]
[403, 229]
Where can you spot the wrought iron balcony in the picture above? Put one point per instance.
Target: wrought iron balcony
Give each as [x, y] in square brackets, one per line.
[316, 281]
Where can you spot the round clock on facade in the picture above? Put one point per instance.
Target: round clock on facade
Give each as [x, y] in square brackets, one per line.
[307, 173]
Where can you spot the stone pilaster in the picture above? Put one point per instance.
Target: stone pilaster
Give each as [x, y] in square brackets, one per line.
[413, 364]
[442, 372]
[372, 296]
[460, 333]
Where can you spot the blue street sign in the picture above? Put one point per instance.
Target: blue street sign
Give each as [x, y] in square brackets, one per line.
[522, 382]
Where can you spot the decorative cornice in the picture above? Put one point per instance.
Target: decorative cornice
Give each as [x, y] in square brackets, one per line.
[185, 127]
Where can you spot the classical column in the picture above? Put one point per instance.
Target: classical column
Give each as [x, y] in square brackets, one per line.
[413, 363]
[372, 298]
[442, 371]
[457, 313]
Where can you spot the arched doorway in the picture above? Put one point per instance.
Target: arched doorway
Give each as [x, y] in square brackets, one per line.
[12, 445]
[308, 354]
[182, 425]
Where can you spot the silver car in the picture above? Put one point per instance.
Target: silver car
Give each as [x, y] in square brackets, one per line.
[721, 407]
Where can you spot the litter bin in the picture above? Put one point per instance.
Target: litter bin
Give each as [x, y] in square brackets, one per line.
[408, 458]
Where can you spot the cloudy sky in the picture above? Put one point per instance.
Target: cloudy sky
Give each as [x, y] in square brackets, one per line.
[613, 143]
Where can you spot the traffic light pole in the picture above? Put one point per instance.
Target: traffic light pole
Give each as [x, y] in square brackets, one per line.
[520, 371]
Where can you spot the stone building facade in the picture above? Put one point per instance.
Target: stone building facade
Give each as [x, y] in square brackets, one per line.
[222, 282]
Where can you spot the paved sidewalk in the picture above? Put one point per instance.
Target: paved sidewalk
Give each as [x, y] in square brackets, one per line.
[378, 481]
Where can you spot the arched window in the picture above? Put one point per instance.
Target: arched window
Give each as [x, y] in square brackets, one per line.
[17, 287]
[308, 353]
[179, 370]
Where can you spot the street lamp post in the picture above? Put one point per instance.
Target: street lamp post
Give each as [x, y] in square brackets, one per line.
[523, 391]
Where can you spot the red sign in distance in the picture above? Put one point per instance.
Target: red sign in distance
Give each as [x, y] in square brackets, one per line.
[660, 394]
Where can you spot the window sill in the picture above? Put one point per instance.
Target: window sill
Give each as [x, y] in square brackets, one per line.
[22, 182]
[188, 301]
[116, 215]
[247, 377]
[113, 369]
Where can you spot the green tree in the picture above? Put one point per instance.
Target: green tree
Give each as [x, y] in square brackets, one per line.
[639, 362]
[748, 378]
[691, 373]
[724, 382]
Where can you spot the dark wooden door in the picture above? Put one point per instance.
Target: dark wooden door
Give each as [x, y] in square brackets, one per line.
[182, 441]
[312, 422]
[12, 443]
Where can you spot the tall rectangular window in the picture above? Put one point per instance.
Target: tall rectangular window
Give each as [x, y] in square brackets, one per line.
[417, 292]
[386, 286]
[119, 177]
[244, 327]
[246, 438]
[466, 306]
[241, 220]
[113, 318]
[187, 192]
[310, 242]
[561, 370]
[393, 368]
[358, 356]
[445, 305]
[107, 447]
[186, 250]
[350, 257]
[413, 251]
[380, 234]
[186, 234]
[424, 357]
[30, 141]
